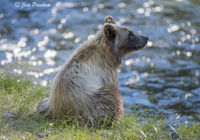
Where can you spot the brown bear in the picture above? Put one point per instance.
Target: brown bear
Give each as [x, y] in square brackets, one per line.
[86, 88]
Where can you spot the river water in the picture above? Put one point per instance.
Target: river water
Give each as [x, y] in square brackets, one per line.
[163, 78]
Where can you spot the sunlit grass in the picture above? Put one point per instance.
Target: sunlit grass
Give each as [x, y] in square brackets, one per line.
[20, 98]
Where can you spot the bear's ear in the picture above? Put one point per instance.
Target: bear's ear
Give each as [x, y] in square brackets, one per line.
[109, 19]
[110, 32]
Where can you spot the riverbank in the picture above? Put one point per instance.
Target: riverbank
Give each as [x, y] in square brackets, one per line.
[19, 100]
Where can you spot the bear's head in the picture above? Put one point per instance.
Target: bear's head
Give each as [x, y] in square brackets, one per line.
[121, 39]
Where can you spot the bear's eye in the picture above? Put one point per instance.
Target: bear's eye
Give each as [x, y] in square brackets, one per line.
[131, 36]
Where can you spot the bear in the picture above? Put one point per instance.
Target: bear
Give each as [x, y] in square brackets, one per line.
[86, 87]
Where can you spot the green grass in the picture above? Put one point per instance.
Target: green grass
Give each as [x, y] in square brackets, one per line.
[21, 98]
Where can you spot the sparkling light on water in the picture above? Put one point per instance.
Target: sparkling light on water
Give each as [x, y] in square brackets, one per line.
[172, 28]
[68, 35]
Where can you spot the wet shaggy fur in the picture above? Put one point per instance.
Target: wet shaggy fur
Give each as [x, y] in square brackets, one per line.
[86, 88]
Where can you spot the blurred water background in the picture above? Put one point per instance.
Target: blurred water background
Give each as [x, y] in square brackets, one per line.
[163, 78]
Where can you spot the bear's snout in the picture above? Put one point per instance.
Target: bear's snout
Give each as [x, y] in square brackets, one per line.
[141, 41]
[145, 38]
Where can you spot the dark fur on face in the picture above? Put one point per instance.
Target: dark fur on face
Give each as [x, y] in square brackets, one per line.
[122, 39]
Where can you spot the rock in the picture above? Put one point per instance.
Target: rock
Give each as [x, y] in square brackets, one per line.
[8, 115]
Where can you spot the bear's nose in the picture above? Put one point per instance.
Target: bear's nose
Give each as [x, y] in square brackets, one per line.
[145, 37]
